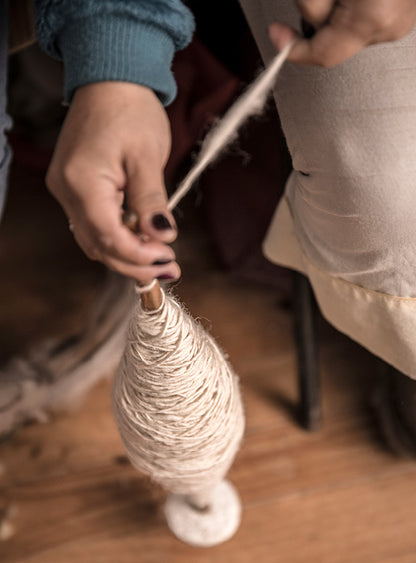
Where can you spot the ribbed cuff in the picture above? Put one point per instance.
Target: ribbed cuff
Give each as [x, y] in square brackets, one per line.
[98, 49]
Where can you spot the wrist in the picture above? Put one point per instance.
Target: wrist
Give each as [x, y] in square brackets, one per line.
[99, 50]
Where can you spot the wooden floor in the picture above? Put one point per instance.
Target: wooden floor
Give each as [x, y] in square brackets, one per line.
[67, 492]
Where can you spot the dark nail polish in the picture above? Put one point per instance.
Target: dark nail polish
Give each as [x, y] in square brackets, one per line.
[308, 29]
[166, 277]
[161, 222]
[162, 262]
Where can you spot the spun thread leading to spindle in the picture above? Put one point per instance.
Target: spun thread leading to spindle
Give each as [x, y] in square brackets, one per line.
[250, 103]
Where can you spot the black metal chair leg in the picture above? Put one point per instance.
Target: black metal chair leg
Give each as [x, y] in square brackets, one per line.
[307, 352]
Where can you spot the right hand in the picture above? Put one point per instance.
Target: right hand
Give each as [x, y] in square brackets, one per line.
[115, 142]
[344, 27]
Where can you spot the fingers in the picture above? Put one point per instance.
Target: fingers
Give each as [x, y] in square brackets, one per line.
[143, 274]
[124, 252]
[331, 45]
[281, 34]
[147, 198]
[98, 228]
[93, 206]
[316, 12]
[342, 29]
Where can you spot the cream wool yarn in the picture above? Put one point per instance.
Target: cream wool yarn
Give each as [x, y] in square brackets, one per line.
[178, 407]
[250, 103]
[176, 399]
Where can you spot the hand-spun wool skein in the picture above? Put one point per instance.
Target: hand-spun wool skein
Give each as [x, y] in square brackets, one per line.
[177, 402]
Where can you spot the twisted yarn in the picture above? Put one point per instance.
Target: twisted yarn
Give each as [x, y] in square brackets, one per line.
[177, 401]
[250, 103]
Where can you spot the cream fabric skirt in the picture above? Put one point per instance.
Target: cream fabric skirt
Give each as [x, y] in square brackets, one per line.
[348, 216]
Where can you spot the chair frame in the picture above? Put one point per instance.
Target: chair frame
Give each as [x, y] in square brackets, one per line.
[306, 343]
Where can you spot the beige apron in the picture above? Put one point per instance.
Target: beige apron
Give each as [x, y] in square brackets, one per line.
[348, 217]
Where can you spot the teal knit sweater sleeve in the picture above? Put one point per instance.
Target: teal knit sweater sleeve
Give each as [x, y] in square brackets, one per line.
[127, 40]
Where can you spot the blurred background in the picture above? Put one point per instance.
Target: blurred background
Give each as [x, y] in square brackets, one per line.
[66, 487]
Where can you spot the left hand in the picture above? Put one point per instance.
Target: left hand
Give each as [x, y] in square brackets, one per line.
[115, 143]
[344, 27]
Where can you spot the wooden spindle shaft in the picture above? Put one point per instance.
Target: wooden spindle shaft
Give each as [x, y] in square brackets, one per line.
[152, 299]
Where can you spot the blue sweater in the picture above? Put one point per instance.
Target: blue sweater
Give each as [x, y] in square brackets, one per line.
[127, 40]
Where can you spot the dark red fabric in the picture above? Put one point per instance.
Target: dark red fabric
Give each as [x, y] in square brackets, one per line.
[205, 90]
[240, 195]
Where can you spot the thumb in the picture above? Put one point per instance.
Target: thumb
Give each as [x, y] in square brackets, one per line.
[147, 199]
[281, 34]
[331, 45]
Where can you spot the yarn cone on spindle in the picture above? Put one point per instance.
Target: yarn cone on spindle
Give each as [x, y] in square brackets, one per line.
[179, 412]
[176, 399]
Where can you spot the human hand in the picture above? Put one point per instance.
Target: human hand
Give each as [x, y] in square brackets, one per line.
[114, 144]
[344, 27]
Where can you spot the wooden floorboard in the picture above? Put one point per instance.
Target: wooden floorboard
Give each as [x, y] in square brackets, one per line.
[68, 493]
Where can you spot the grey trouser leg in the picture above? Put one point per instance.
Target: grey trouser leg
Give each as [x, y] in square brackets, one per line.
[5, 121]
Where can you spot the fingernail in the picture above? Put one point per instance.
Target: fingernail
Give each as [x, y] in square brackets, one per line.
[162, 262]
[166, 277]
[161, 222]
